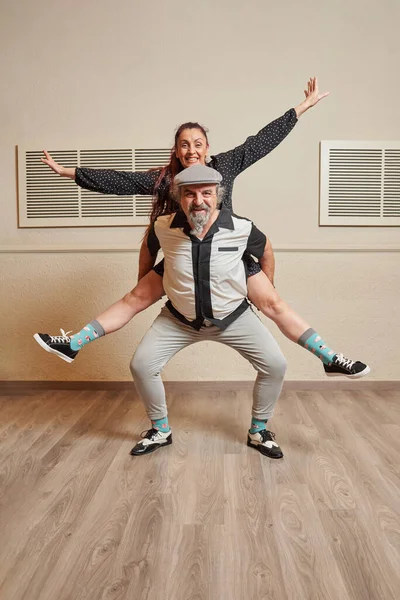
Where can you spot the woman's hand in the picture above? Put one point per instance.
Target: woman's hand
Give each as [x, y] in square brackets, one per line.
[313, 96]
[54, 166]
[312, 92]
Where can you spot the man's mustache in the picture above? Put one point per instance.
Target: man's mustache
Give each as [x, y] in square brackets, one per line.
[193, 208]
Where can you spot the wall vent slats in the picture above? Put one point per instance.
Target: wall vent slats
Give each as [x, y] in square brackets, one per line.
[47, 200]
[360, 183]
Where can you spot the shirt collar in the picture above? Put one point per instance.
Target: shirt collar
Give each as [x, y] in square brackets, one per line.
[225, 218]
[179, 220]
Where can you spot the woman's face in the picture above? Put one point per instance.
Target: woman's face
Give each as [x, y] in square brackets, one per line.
[191, 148]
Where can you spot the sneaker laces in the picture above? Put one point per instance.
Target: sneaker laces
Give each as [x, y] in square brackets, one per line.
[61, 339]
[344, 362]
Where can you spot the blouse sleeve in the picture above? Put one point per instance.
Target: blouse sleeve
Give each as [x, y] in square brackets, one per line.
[107, 181]
[256, 146]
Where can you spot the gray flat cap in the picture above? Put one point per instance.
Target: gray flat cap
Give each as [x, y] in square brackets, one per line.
[197, 174]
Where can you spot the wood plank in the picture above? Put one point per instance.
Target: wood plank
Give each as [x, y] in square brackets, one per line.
[250, 561]
[208, 517]
[309, 571]
[68, 491]
[357, 557]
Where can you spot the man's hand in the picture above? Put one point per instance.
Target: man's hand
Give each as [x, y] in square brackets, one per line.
[313, 96]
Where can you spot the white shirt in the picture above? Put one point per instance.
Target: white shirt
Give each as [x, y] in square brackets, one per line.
[206, 279]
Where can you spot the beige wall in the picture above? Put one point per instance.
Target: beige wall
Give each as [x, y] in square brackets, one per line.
[89, 73]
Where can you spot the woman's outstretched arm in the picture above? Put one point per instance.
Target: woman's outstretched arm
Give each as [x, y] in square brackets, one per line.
[254, 148]
[106, 181]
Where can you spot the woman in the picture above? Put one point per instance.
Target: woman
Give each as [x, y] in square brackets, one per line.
[191, 147]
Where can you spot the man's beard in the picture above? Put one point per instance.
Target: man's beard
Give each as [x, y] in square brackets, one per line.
[198, 220]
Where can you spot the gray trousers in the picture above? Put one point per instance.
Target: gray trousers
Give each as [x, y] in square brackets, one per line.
[247, 335]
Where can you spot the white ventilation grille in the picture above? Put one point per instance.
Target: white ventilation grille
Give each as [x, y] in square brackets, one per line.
[47, 200]
[391, 184]
[360, 183]
[151, 159]
[48, 196]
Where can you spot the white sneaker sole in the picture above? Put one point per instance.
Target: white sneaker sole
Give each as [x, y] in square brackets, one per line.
[356, 376]
[48, 349]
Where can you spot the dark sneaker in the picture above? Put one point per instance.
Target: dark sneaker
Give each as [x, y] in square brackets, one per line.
[57, 344]
[152, 440]
[264, 442]
[341, 365]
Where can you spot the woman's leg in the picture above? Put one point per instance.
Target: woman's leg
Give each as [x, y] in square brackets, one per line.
[147, 292]
[263, 295]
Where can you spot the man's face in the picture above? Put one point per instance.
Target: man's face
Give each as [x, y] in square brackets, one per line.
[199, 203]
[191, 148]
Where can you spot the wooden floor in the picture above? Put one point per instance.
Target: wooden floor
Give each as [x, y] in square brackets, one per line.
[207, 518]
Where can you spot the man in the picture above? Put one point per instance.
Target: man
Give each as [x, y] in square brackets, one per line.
[204, 277]
[205, 281]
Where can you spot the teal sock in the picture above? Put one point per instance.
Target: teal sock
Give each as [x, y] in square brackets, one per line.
[88, 334]
[161, 424]
[311, 341]
[257, 425]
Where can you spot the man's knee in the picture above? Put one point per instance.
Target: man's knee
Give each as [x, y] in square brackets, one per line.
[280, 366]
[275, 367]
[140, 364]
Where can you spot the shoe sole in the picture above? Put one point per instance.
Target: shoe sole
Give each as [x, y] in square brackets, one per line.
[153, 448]
[259, 447]
[48, 349]
[356, 376]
